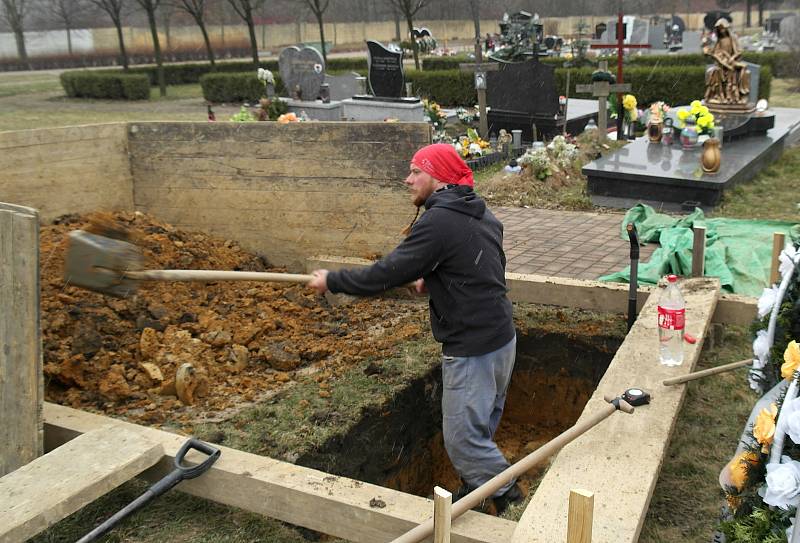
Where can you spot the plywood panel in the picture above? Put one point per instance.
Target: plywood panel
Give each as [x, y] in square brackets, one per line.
[66, 170]
[20, 343]
[284, 191]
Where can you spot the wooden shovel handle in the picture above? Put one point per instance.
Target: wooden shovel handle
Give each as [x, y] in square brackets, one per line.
[214, 275]
[706, 373]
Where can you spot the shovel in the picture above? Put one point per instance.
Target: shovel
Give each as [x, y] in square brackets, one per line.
[174, 477]
[112, 266]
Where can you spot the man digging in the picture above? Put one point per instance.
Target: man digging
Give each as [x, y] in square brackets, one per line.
[455, 253]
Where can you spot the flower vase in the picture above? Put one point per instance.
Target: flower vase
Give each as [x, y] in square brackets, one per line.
[689, 134]
[654, 131]
[712, 157]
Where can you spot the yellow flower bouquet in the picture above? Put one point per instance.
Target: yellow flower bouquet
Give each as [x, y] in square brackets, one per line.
[701, 115]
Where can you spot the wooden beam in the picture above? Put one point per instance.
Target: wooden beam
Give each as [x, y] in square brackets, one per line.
[442, 504]
[579, 519]
[624, 481]
[338, 506]
[21, 381]
[699, 251]
[64, 480]
[778, 243]
[579, 293]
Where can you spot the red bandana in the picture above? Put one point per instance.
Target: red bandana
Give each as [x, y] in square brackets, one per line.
[441, 161]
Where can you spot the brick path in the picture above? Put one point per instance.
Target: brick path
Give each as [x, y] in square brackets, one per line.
[576, 244]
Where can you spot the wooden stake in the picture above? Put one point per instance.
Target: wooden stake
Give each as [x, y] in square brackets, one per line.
[442, 503]
[699, 251]
[579, 520]
[778, 243]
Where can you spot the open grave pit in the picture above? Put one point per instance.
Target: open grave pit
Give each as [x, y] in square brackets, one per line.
[352, 390]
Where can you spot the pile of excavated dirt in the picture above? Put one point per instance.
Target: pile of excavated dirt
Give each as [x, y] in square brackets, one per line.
[230, 344]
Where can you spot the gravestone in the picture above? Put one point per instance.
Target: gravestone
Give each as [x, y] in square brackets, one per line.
[522, 94]
[789, 29]
[386, 78]
[343, 86]
[302, 72]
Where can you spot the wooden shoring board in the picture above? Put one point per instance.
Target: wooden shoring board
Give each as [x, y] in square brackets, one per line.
[577, 293]
[21, 380]
[301, 496]
[64, 480]
[620, 459]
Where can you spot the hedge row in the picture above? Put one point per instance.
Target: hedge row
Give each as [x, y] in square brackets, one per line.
[93, 84]
[780, 63]
[235, 87]
[672, 84]
[183, 74]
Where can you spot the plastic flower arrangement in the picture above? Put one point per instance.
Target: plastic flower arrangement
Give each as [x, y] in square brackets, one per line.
[287, 118]
[244, 116]
[435, 115]
[629, 105]
[563, 151]
[537, 161]
[266, 77]
[471, 145]
[467, 117]
[762, 480]
[701, 115]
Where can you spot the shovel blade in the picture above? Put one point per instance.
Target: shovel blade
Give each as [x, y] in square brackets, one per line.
[97, 263]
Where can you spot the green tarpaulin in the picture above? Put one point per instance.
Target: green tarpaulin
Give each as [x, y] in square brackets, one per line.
[737, 251]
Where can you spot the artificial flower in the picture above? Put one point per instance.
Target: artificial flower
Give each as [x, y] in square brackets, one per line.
[790, 418]
[682, 114]
[475, 149]
[787, 259]
[629, 102]
[766, 302]
[791, 360]
[764, 426]
[739, 466]
[755, 379]
[734, 502]
[287, 118]
[761, 349]
[783, 484]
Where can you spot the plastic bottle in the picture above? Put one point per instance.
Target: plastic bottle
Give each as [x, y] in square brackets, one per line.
[671, 322]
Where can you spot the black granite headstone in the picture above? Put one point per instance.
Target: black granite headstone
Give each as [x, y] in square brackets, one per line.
[386, 77]
[522, 94]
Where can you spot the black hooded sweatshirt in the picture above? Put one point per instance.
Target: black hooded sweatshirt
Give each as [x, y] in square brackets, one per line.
[457, 248]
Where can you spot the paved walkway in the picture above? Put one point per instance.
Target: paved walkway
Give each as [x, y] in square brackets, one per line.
[576, 244]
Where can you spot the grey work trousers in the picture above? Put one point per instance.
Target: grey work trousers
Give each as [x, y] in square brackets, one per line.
[472, 403]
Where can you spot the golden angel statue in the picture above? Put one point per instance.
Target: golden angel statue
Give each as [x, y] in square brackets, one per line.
[728, 81]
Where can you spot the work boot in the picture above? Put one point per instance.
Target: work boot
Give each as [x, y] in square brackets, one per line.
[465, 489]
[513, 495]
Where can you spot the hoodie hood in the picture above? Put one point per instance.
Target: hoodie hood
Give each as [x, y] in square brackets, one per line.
[459, 198]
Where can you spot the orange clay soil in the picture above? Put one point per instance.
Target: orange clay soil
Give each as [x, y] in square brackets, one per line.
[236, 342]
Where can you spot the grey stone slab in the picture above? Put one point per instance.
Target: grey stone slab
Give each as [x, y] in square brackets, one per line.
[303, 70]
[374, 110]
[666, 176]
[317, 111]
[343, 86]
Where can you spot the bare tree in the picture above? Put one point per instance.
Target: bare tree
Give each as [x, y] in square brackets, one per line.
[13, 14]
[475, 11]
[197, 9]
[409, 8]
[150, 7]
[67, 12]
[245, 9]
[114, 10]
[318, 8]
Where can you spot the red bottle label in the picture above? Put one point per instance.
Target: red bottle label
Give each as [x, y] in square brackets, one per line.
[673, 319]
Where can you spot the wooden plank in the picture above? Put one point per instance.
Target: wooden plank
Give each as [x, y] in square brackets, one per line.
[59, 483]
[152, 178]
[21, 382]
[633, 447]
[584, 294]
[699, 251]
[778, 243]
[580, 517]
[442, 505]
[13, 141]
[342, 507]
